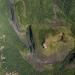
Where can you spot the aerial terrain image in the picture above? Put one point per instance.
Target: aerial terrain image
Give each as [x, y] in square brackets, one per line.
[37, 37]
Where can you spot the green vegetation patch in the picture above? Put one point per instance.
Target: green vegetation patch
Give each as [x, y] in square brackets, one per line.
[54, 44]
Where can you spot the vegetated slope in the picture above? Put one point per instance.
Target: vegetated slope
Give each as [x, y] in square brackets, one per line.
[67, 8]
[41, 15]
[12, 45]
[39, 10]
[38, 13]
[36, 10]
[13, 59]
